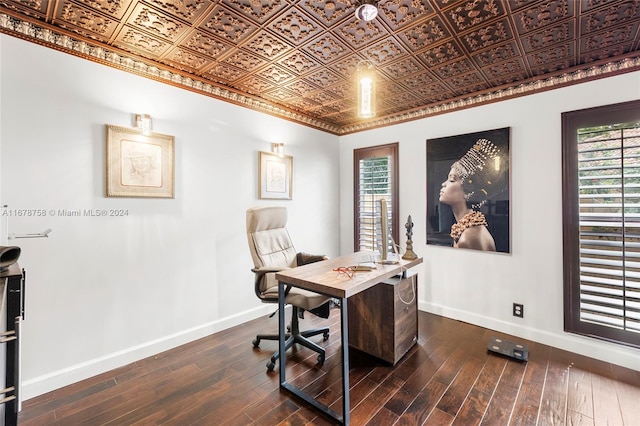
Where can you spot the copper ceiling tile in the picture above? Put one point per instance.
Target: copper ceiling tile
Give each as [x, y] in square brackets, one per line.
[328, 12]
[267, 45]
[358, 33]
[400, 13]
[258, 11]
[205, 44]
[224, 73]
[186, 10]
[299, 63]
[228, 25]
[327, 48]
[295, 27]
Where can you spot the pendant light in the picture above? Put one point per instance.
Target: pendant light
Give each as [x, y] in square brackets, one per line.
[366, 83]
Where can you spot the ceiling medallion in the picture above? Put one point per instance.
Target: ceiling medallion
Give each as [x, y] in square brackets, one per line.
[366, 10]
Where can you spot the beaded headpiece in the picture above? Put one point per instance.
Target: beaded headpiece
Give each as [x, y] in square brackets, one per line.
[481, 180]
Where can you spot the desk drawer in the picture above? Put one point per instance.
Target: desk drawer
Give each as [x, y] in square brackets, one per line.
[406, 315]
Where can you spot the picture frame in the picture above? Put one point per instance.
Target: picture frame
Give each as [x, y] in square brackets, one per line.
[139, 165]
[489, 178]
[275, 176]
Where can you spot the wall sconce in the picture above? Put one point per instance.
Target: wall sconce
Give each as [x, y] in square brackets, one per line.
[278, 148]
[366, 10]
[143, 122]
[366, 81]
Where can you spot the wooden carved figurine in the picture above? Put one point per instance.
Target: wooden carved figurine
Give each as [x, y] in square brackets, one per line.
[409, 254]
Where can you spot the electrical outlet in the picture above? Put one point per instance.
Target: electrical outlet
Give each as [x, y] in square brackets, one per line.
[518, 310]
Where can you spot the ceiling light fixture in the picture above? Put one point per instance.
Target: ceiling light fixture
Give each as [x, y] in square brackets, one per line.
[366, 10]
[366, 82]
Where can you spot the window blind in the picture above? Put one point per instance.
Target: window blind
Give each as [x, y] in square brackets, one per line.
[375, 184]
[609, 226]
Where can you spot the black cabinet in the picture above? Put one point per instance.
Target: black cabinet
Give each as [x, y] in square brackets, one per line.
[12, 285]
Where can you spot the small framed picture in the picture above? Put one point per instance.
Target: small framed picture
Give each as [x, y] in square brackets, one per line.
[139, 165]
[275, 176]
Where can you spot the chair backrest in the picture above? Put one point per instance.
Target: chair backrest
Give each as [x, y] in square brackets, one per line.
[269, 240]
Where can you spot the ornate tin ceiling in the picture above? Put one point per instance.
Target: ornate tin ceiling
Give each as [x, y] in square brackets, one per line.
[297, 58]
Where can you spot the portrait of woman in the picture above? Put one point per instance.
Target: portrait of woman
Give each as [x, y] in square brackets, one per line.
[466, 188]
[470, 208]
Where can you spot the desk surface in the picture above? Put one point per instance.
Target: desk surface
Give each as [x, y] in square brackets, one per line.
[320, 277]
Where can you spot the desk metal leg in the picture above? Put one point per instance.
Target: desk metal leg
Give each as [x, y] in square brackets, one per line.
[344, 418]
[344, 324]
[281, 333]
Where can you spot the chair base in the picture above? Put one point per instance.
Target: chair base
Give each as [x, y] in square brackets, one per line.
[295, 336]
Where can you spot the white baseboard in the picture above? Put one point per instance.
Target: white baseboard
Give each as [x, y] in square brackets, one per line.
[608, 352]
[57, 379]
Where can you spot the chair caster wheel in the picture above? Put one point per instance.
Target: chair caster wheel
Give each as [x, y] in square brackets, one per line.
[320, 359]
[325, 336]
[270, 366]
[256, 343]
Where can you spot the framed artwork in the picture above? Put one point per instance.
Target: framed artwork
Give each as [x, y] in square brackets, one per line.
[275, 176]
[468, 191]
[139, 165]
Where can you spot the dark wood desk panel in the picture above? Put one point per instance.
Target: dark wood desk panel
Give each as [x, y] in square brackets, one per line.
[383, 320]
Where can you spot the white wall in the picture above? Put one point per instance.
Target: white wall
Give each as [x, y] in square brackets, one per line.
[478, 287]
[105, 291]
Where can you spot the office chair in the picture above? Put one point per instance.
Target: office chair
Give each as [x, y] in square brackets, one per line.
[272, 251]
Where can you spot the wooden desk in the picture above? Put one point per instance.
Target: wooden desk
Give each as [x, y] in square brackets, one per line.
[321, 278]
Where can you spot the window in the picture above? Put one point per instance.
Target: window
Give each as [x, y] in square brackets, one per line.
[601, 222]
[375, 178]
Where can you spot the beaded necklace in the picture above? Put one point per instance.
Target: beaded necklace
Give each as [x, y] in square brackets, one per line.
[473, 218]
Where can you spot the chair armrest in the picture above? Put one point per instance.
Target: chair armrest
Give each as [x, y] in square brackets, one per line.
[306, 258]
[264, 270]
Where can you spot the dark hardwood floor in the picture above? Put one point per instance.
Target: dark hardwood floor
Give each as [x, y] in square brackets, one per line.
[447, 378]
